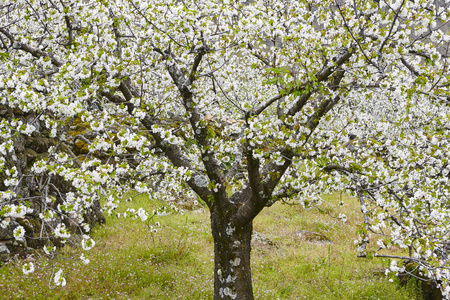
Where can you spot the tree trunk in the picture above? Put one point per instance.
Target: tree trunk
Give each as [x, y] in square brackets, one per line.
[232, 274]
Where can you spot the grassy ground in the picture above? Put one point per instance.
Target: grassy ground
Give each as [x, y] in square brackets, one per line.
[130, 262]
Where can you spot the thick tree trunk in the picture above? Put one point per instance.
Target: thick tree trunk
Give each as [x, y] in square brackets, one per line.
[232, 274]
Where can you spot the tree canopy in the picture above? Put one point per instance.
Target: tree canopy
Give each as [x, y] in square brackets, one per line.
[243, 103]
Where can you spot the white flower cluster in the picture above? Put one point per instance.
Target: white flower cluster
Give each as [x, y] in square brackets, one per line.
[87, 243]
[61, 231]
[19, 233]
[49, 250]
[84, 259]
[58, 279]
[28, 268]
[15, 211]
[140, 213]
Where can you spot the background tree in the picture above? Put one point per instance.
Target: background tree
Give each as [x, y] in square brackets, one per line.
[245, 104]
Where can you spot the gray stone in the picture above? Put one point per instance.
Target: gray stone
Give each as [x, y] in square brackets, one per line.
[313, 237]
[261, 240]
[3, 249]
[7, 233]
[4, 252]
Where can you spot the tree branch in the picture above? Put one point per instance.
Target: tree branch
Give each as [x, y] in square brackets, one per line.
[271, 175]
[254, 177]
[411, 68]
[171, 151]
[200, 132]
[33, 51]
[390, 29]
[202, 51]
[321, 76]
[69, 29]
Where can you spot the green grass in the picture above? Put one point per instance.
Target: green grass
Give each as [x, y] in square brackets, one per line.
[130, 262]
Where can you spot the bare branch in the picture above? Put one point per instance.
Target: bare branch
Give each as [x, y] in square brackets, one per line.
[390, 29]
[264, 106]
[411, 68]
[33, 51]
[200, 52]
[69, 30]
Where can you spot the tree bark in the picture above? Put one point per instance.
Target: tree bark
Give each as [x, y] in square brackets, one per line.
[232, 273]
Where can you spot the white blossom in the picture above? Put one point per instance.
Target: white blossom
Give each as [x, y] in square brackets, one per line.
[87, 243]
[28, 268]
[84, 259]
[58, 279]
[19, 233]
[61, 231]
